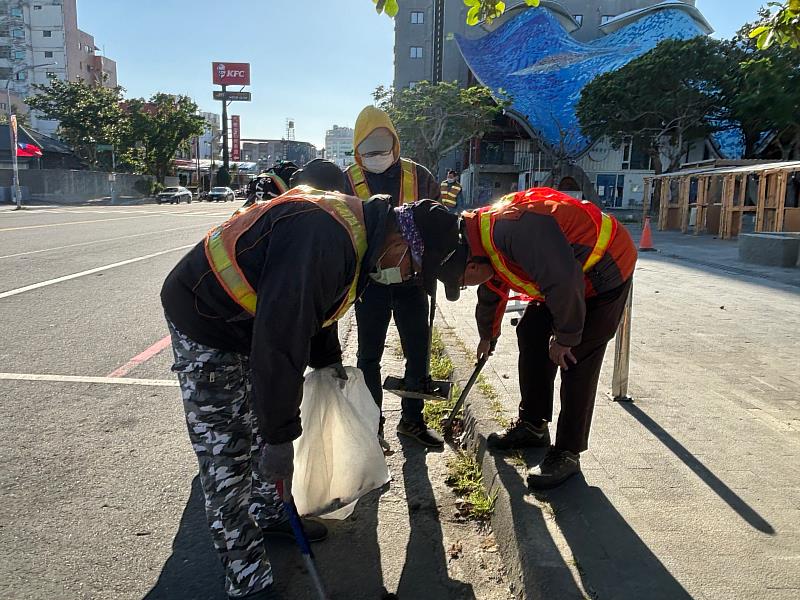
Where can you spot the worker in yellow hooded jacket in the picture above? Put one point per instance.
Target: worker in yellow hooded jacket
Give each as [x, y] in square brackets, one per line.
[379, 169]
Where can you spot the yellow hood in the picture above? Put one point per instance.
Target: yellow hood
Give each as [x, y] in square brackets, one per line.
[370, 119]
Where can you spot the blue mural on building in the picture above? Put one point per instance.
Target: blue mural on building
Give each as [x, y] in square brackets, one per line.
[543, 68]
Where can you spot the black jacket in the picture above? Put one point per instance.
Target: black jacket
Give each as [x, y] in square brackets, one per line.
[388, 182]
[301, 263]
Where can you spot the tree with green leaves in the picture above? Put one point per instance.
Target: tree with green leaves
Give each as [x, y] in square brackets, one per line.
[159, 127]
[433, 119]
[88, 115]
[781, 27]
[762, 94]
[664, 99]
[479, 10]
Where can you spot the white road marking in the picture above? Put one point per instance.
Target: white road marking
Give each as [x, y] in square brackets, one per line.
[142, 216]
[123, 237]
[73, 223]
[82, 379]
[42, 284]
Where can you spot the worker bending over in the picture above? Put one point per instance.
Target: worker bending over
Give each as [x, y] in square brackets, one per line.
[249, 308]
[576, 263]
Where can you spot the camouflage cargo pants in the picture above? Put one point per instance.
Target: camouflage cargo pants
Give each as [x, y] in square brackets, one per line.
[215, 386]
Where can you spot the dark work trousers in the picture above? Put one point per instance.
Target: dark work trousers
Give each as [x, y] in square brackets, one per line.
[537, 372]
[409, 304]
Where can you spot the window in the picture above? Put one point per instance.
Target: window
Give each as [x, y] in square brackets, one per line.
[37, 7]
[417, 17]
[22, 76]
[416, 51]
[605, 19]
[610, 188]
[578, 19]
[18, 33]
[15, 12]
[52, 74]
[47, 33]
[3, 106]
[48, 54]
[19, 54]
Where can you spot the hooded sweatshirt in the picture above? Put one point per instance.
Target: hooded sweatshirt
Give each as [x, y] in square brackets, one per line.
[388, 182]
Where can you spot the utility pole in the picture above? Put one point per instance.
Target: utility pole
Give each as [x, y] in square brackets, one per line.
[12, 131]
[225, 158]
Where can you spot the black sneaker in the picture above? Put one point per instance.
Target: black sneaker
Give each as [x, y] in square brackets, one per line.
[315, 531]
[520, 434]
[268, 593]
[556, 467]
[421, 433]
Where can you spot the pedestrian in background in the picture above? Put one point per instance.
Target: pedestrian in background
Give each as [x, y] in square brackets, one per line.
[451, 191]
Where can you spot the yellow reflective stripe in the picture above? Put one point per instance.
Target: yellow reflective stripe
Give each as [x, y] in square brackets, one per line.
[360, 187]
[359, 234]
[603, 240]
[408, 182]
[279, 183]
[497, 262]
[244, 295]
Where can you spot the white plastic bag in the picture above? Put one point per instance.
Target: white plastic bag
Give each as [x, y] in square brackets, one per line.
[337, 459]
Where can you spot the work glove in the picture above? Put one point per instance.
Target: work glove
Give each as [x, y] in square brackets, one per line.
[276, 462]
[339, 373]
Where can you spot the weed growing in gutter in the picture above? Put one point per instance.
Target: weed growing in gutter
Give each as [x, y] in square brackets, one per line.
[465, 477]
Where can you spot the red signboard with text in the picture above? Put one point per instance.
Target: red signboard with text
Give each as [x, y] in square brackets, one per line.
[235, 124]
[226, 73]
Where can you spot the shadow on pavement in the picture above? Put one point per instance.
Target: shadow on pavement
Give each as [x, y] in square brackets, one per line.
[349, 560]
[544, 572]
[612, 559]
[425, 575]
[193, 571]
[723, 491]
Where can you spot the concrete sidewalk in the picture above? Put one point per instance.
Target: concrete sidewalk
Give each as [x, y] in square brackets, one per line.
[693, 490]
[709, 251]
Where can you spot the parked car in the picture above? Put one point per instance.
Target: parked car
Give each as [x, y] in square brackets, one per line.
[174, 195]
[220, 194]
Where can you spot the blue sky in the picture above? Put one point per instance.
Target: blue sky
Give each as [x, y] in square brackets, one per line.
[313, 60]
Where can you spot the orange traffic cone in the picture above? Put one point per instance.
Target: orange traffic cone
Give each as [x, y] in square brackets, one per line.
[646, 243]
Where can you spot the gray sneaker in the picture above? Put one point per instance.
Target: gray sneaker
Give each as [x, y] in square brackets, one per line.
[520, 434]
[556, 467]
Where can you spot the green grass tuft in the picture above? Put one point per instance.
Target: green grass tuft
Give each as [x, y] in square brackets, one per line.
[465, 477]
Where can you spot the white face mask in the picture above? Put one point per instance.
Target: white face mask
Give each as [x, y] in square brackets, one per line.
[451, 180]
[389, 276]
[379, 163]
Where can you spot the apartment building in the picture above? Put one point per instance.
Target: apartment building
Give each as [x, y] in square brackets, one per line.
[339, 146]
[40, 39]
[433, 42]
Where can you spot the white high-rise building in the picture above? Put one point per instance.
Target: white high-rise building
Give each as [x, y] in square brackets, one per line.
[339, 146]
[211, 136]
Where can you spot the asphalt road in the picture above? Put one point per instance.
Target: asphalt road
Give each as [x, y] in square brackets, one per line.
[98, 494]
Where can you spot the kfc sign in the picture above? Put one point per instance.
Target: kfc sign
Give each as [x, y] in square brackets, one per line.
[231, 73]
[235, 138]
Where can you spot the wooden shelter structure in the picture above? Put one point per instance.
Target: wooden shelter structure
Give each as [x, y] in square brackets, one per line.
[715, 199]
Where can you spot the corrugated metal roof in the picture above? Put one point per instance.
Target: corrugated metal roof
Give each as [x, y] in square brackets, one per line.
[793, 165]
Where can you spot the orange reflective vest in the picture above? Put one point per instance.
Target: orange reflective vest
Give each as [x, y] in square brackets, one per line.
[450, 194]
[220, 243]
[408, 182]
[605, 229]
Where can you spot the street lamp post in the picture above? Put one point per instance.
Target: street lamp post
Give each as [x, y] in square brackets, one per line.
[12, 137]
